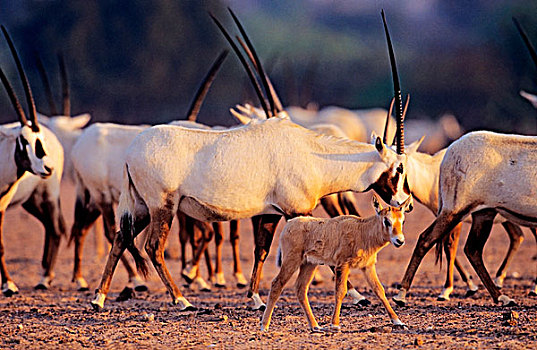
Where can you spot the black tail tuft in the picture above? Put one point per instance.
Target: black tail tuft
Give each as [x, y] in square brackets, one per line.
[139, 260]
[127, 231]
[438, 252]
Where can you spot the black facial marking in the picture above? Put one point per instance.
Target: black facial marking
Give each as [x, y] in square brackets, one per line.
[384, 186]
[387, 222]
[400, 168]
[39, 151]
[21, 157]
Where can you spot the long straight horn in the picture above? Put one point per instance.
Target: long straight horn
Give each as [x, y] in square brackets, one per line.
[248, 69]
[66, 98]
[396, 90]
[195, 106]
[14, 100]
[385, 137]
[46, 84]
[272, 92]
[262, 74]
[27, 90]
[527, 41]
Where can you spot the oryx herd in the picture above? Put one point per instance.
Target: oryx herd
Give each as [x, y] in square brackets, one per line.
[278, 162]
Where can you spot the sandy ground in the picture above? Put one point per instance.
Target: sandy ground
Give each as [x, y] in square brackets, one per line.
[62, 317]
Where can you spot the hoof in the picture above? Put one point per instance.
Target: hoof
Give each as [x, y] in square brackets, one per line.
[9, 289]
[506, 301]
[316, 283]
[470, 293]
[532, 294]
[218, 285]
[126, 294]
[399, 302]
[190, 308]
[364, 302]
[9, 293]
[242, 282]
[189, 273]
[83, 289]
[332, 328]
[258, 303]
[96, 307]
[81, 284]
[219, 280]
[317, 329]
[441, 298]
[40, 286]
[141, 288]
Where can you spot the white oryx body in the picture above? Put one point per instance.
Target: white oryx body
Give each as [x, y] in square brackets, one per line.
[208, 174]
[483, 174]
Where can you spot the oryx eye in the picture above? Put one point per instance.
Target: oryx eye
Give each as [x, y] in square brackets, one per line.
[400, 168]
[39, 151]
[387, 222]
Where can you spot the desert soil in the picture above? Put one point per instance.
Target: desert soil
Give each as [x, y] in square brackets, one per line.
[62, 317]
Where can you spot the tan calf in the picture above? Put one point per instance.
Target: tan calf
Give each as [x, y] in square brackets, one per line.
[343, 242]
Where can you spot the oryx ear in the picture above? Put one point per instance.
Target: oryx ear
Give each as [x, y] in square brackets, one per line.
[9, 132]
[242, 118]
[413, 147]
[530, 97]
[376, 203]
[407, 205]
[80, 121]
[379, 145]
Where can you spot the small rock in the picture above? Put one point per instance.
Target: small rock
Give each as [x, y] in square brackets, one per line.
[374, 329]
[418, 341]
[149, 317]
[510, 318]
[20, 327]
[386, 329]
[126, 294]
[218, 306]
[515, 274]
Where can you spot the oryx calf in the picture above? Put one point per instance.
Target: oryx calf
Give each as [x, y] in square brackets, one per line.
[344, 242]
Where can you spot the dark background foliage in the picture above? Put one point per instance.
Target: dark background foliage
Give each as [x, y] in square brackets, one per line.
[140, 61]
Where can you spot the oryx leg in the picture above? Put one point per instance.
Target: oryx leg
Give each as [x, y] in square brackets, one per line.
[290, 264]
[357, 298]
[302, 285]
[218, 228]
[85, 216]
[331, 205]
[234, 238]
[342, 275]
[131, 226]
[471, 287]
[443, 225]
[192, 273]
[107, 210]
[533, 291]
[515, 239]
[263, 235]
[183, 237]
[157, 233]
[8, 286]
[479, 233]
[347, 202]
[372, 278]
[451, 243]
[48, 211]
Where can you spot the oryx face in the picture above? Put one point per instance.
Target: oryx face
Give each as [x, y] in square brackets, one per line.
[390, 178]
[393, 219]
[31, 153]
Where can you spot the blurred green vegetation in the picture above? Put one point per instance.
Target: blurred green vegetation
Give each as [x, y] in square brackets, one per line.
[141, 61]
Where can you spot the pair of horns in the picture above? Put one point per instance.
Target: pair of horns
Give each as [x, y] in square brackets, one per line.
[272, 107]
[28, 92]
[400, 134]
[66, 99]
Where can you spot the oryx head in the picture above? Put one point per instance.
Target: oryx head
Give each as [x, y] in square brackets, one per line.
[392, 219]
[30, 148]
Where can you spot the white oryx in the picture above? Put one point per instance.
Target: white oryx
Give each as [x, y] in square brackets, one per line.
[266, 169]
[24, 150]
[344, 242]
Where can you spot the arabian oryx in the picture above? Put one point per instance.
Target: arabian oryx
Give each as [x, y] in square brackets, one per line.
[25, 151]
[95, 157]
[344, 242]
[239, 173]
[483, 174]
